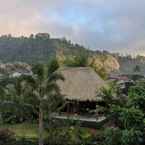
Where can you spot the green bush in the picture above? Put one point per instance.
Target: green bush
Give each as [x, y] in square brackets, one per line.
[14, 115]
[129, 125]
[80, 60]
[137, 95]
[69, 136]
[128, 117]
[131, 137]
[116, 136]
[25, 141]
[7, 137]
[112, 136]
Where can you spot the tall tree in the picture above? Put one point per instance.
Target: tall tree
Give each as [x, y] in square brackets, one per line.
[137, 69]
[42, 85]
[39, 91]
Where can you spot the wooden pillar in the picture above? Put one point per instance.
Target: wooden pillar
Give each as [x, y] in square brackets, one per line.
[78, 107]
[68, 107]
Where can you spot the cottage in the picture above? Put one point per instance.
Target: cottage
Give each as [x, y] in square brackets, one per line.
[80, 88]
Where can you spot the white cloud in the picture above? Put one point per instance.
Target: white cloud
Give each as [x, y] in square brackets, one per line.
[113, 24]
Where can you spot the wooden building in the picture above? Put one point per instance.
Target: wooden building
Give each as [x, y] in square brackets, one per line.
[80, 89]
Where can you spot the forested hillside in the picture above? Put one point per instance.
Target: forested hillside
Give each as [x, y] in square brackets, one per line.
[129, 65]
[40, 47]
[34, 48]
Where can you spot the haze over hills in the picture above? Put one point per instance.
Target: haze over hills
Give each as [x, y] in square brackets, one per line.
[40, 47]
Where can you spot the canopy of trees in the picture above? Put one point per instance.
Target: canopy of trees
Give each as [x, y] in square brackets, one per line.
[35, 48]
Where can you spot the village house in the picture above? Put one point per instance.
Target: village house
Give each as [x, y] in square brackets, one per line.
[80, 89]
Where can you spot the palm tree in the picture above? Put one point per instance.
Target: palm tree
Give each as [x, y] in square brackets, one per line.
[110, 95]
[42, 85]
[12, 98]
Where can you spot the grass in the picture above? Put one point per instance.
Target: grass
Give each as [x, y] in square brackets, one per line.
[23, 130]
[30, 131]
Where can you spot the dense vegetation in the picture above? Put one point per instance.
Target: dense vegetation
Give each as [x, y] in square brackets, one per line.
[40, 47]
[29, 100]
[126, 124]
[36, 48]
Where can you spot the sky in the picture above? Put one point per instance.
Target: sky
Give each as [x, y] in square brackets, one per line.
[113, 25]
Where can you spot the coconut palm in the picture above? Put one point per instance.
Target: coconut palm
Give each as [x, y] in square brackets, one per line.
[12, 100]
[42, 85]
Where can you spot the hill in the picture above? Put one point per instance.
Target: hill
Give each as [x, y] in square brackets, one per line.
[129, 65]
[36, 48]
[40, 47]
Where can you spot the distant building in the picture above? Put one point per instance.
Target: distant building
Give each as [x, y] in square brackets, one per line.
[118, 77]
[15, 70]
[42, 36]
[124, 81]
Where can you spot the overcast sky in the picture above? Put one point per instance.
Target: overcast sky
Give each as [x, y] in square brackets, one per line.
[115, 25]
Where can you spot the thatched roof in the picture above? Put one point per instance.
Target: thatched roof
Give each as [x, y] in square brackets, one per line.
[81, 83]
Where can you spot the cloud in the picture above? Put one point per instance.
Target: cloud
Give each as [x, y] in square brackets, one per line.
[98, 24]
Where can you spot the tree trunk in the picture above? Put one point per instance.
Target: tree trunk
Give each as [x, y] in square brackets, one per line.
[40, 126]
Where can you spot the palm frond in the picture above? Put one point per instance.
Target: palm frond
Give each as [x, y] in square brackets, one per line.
[38, 70]
[5, 80]
[56, 76]
[29, 80]
[52, 87]
[52, 66]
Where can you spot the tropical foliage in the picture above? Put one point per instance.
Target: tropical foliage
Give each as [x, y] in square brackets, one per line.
[32, 98]
[36, 93]
[128, 119]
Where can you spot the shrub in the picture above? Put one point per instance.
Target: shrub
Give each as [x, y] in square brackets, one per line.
[6, 137]
[128, 117]
[131, 137]
[80, 60]
[112, 136]
[26, 141]
[116, 136]
[69, 136]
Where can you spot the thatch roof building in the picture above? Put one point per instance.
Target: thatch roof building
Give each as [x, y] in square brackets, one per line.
[81, 83]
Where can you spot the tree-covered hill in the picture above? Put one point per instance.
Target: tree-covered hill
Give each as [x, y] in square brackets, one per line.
[34, 48]
[40, 47]
[130, 65]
